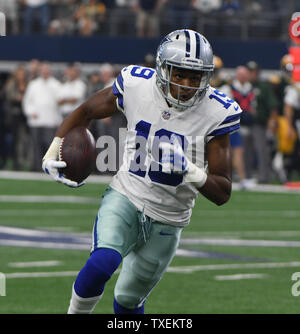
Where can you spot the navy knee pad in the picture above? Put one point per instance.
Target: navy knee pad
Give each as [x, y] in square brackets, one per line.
[96, 272]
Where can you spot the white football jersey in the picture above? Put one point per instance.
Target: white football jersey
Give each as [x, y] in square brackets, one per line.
[165, 197]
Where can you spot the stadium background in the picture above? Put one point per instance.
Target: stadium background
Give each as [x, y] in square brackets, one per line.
[239, 259]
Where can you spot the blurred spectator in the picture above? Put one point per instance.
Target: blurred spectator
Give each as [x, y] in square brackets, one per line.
[179, 13]
[217, 80]
[230, 6]
[72, 91]
[10, 8]
[147, 19]
[110, 126]
[33, 69]
[105, 127]
[121, 18]
[56, 28]
[283, 155]
[89, 17]
[36, 9]
[41, 110]
[235, 138]
[243, 93]
[107, 75]
[207, 6]
[4, 133]
[86, 26]
[266, 112]
[292, 117]
[287, 154]
[14, 92]
[103, 79]
[280, 82]
[93, 84]
[149, 60]
[62, 20]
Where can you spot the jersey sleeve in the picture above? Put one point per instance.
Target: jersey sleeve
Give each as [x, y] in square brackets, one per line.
[118, 89]
[230, 122]
[128, 83]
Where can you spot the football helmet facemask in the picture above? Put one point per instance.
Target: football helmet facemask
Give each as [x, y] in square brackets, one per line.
[184, 49]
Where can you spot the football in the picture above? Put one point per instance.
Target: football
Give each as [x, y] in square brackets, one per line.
[78, 150]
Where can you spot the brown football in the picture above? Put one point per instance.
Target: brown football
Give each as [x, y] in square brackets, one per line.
[78, 150]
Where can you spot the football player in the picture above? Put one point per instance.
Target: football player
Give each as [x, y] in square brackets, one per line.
[177, 146]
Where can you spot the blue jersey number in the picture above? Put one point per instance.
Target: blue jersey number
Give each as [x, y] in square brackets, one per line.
[222, 98]
[137, 165]
[142, 72]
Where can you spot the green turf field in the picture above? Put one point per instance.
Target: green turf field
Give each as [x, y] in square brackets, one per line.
[245, 252]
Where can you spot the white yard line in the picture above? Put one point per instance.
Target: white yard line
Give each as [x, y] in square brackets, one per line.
[237, 234]
[32, 264]
[239, 242]
[40, 233]
[238, 277]
[48, 199]
[42, 274]
[251, 213]
[267, 265]
[43, 244]
[44, 177]
[181, 270]
[51, 212]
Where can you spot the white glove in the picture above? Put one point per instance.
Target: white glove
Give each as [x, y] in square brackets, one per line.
[175, 161]
[51, 165]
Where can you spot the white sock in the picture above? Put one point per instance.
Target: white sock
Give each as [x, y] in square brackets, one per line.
[80, 305]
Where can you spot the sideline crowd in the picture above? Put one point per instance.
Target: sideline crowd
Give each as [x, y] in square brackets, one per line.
[34, 101]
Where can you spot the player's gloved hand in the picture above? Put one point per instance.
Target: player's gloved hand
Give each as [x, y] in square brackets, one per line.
[52, 166]
[174, 160]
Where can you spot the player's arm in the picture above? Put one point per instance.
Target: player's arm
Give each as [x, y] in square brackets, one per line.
[217, 187]
[100, 105]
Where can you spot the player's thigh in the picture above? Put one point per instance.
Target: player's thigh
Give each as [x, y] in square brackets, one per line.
[143, 268]
[116, 225]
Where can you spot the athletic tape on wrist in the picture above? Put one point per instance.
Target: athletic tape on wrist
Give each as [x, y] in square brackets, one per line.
[53, 149]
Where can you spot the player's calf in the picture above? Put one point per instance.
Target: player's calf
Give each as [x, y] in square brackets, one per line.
[79, 305]
[89, 284]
